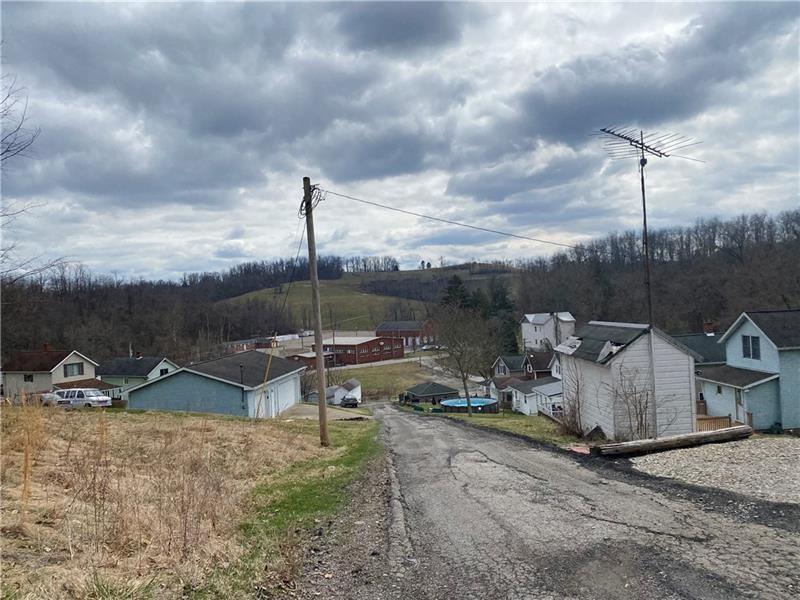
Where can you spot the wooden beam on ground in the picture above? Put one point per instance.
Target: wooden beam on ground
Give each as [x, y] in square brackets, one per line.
[674, 441]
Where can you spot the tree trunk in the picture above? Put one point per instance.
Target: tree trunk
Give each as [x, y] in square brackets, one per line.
[466, 395]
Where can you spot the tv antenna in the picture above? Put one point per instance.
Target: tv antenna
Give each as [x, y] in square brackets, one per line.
[623, 143]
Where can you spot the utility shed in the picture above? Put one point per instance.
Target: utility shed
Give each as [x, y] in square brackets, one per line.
[248, 384]
[607, 381]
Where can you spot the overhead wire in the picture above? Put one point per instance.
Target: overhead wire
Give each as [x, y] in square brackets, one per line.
[450, 222]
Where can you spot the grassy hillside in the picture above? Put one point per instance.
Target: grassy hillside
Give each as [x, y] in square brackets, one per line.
[343, 302]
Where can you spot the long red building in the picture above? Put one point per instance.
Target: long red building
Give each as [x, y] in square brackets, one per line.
[362, 350]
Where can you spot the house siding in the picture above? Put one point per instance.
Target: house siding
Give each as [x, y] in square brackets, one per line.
[531, 338]
[58, 372]
[188, 392]
[789, 386]
[769, 362]
[722, 404]
[761, 401]
[14, 384]
[596, 403]
[675, 389]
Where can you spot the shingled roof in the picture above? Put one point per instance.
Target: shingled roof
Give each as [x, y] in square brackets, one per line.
[38, 361]
[431, 388]
[705, 345]
[128, 367]
[734, 376]
[781, 326]
[254, 365]
[600, 341]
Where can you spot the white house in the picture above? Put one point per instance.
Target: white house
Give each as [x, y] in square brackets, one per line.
[42, 370]
[541, 331]
[352, 388]
[532, 396]
[608, 382]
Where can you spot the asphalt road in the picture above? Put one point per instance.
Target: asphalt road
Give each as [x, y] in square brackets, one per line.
[481, 515]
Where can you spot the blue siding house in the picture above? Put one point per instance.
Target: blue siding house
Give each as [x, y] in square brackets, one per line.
[248, 384]
[760, 380]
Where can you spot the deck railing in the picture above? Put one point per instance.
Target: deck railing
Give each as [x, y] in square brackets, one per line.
[707, 423]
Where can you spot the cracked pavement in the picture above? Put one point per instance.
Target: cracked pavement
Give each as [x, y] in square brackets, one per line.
[474, 514]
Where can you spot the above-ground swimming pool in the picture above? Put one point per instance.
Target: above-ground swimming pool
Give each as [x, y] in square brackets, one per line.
[459, 405]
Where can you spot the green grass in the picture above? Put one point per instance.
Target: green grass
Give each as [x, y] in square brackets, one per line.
[342, 299]
[287, 505]
[389, 380]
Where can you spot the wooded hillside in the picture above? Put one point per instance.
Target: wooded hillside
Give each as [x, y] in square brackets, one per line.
[712, 270]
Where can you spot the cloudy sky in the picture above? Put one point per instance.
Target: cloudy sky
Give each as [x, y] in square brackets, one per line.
[174, 137]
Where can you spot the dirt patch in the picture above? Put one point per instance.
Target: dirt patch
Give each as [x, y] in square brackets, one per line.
[347, 556]
[129, 499]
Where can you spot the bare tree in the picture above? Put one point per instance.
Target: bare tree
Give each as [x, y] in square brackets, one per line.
[17, 137]
[573, 395]
[630, 396]
[471, 344]
[16, 140]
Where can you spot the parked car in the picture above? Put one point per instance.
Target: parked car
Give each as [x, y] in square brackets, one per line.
[349, 402]
[306, 333]
[55, 398]
[88, 397]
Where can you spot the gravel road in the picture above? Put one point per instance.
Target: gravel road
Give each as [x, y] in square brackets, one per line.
[764, 467]
[462, 513]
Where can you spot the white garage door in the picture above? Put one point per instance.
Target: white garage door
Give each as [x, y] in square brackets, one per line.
[286, 394]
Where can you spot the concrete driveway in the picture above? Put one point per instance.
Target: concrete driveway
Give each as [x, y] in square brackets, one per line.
[311, 411]
[481, 515]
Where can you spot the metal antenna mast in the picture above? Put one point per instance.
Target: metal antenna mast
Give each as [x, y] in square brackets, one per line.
[623, 143]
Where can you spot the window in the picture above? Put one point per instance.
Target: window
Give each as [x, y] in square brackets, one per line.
[163, 372]
[751, 347]
[530, 369]
[73, 369]
[79, 394]
[28, 378]
[719, 389]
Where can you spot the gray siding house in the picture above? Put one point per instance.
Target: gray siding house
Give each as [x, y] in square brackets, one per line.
[607, 381]
[249, 384]
[760, 380]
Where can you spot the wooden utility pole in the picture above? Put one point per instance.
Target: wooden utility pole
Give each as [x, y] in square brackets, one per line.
[319, 350]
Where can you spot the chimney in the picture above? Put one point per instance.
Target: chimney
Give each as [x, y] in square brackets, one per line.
[138, 355]
[708, 327]
[47, 348]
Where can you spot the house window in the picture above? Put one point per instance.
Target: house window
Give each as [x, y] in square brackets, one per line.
[501, 369]
[28, 378]
[73, 369]
[125, 380]
[719, 389]
[163, 372]
[751, 347]
[530, 369]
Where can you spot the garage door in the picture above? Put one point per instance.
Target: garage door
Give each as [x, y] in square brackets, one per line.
[286, 394]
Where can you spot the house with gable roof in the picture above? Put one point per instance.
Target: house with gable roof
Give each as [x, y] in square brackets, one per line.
[759, 383]
[42, 370]
[608, 381]
[124, 372]
[543, 331]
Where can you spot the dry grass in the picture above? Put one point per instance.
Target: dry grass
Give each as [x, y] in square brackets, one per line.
[100, 504]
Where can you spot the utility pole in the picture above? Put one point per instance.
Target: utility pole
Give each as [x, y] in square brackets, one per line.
[308, 207]
[623, 143]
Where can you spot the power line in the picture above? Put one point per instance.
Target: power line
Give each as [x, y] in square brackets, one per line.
[449, 222]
